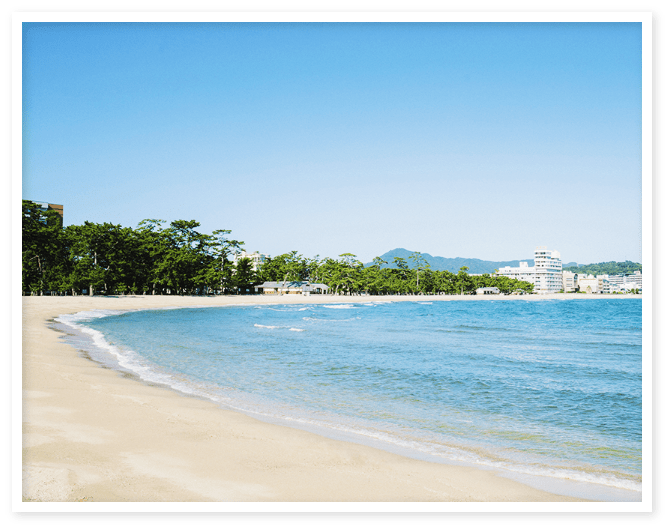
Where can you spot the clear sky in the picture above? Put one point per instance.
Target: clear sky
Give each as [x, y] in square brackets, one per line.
[455, 139]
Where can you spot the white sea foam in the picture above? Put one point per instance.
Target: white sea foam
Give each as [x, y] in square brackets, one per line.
[296, 329]
[129, 360]
[340, 306]
[262, 326]
[126, 359]
[314, 319]
[74, 320]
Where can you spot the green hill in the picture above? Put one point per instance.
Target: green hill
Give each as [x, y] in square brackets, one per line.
[607, 267]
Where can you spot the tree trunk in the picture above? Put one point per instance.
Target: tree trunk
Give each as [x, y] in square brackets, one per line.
[95, 263]
[39, 264]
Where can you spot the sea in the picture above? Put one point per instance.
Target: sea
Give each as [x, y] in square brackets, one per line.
[547, 392]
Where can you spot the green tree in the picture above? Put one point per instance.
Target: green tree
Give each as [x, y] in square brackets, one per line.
[464, 280]
[99, 254]
[218, 275]
[244, 277]
[376, 277]
[185, 258]
[44, 252]
[289, 267]
[420, 264]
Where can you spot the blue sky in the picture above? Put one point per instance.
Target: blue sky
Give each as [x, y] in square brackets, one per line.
[456, 139]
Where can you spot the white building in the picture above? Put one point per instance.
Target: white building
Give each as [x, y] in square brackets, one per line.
[620, 283]
[546, 275]
[256, 258]
[522, 273]
[570, 284]
[588, 283]
[301, 288]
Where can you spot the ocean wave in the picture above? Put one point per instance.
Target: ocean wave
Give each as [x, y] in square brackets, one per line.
[278, 327]
[340, 306]
[74, 319]
[127, 359]
[314, 319]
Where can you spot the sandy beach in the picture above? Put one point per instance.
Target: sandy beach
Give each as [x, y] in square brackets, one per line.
[93, 434]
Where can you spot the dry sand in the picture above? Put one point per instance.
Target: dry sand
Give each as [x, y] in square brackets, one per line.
[89, 433]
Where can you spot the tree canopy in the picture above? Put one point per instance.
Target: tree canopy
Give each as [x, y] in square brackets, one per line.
[178, 259]
[612, 268]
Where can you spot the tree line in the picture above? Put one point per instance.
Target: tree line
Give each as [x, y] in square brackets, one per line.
[159, 258]
[613, 268]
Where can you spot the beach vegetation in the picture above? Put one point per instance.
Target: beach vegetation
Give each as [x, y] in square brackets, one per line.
[158, 258]
[613, 268]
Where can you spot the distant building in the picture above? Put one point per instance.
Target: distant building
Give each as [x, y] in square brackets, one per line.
[300, 288]
[257, 259]
[636, 279]
[570, 284]
[488, 290]
[588, 283]
[45, 206]
[621, 283]
[522, 273]
[603, 283]
[546, 275]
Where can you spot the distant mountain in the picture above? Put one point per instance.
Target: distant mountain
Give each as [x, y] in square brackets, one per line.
[437, 263]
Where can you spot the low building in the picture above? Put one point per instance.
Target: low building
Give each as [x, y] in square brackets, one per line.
[299, 288]
[488, 290]
[570, 284]
[522, 273]
[603, 283]
[623, 283]
[589, 284]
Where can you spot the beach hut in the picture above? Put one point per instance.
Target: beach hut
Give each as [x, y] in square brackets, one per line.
[300, 288]
[488, 290]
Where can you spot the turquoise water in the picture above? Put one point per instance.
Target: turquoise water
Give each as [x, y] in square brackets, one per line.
[545, 389]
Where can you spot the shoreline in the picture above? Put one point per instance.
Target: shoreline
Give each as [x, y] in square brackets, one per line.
[89, 433]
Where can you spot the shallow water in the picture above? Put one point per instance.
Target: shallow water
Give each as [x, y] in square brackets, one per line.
[546, 389]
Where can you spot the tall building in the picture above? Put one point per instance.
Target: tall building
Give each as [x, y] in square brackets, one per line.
[546, 275]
